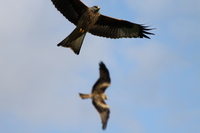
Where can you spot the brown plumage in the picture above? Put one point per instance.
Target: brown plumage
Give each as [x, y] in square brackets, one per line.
[88, 19]
[98, 95]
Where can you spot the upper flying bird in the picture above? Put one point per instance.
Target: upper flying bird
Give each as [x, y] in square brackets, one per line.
[88, 19]
[98, 95]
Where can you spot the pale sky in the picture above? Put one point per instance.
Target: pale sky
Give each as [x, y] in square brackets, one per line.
[155, 83]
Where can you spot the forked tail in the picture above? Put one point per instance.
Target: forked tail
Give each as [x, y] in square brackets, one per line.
[74, 40]
[85, 96]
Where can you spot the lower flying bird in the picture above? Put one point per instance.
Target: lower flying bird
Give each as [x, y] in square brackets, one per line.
[88, 19]
[98, 95]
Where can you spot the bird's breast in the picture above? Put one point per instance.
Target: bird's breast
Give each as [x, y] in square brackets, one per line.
[87, 20]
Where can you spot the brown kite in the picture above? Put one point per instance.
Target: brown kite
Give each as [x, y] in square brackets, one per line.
[98, 95]
[88, 19]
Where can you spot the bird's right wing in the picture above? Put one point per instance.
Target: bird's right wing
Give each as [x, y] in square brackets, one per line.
[71, 9]
[104, 79]
[104, 73]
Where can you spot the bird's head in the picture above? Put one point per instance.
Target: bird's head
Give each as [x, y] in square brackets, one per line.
[96, 8]
[105, 97]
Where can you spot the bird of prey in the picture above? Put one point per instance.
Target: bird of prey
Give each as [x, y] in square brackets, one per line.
[88, 19]
[98, 95]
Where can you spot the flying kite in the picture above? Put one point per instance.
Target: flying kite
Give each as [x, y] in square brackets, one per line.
[88, 19]
[98, 95]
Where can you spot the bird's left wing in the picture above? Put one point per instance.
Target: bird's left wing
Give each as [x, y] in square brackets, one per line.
[103, 110]
[118, 28]
[71, 9]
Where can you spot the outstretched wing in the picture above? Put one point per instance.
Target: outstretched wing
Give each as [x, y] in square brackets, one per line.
[103, 110]
[104, 80]
[71, 9]
[117, 28]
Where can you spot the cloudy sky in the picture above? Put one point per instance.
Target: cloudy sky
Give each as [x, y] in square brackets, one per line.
[155, 83]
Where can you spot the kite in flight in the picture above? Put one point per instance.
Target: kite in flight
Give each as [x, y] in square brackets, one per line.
[98, 95]
[88, 19]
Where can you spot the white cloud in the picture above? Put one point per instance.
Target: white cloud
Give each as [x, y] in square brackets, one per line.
[184, 30]
[153, 58]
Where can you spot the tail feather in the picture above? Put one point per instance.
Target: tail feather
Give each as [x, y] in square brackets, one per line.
[74, 41]
[85, 96]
